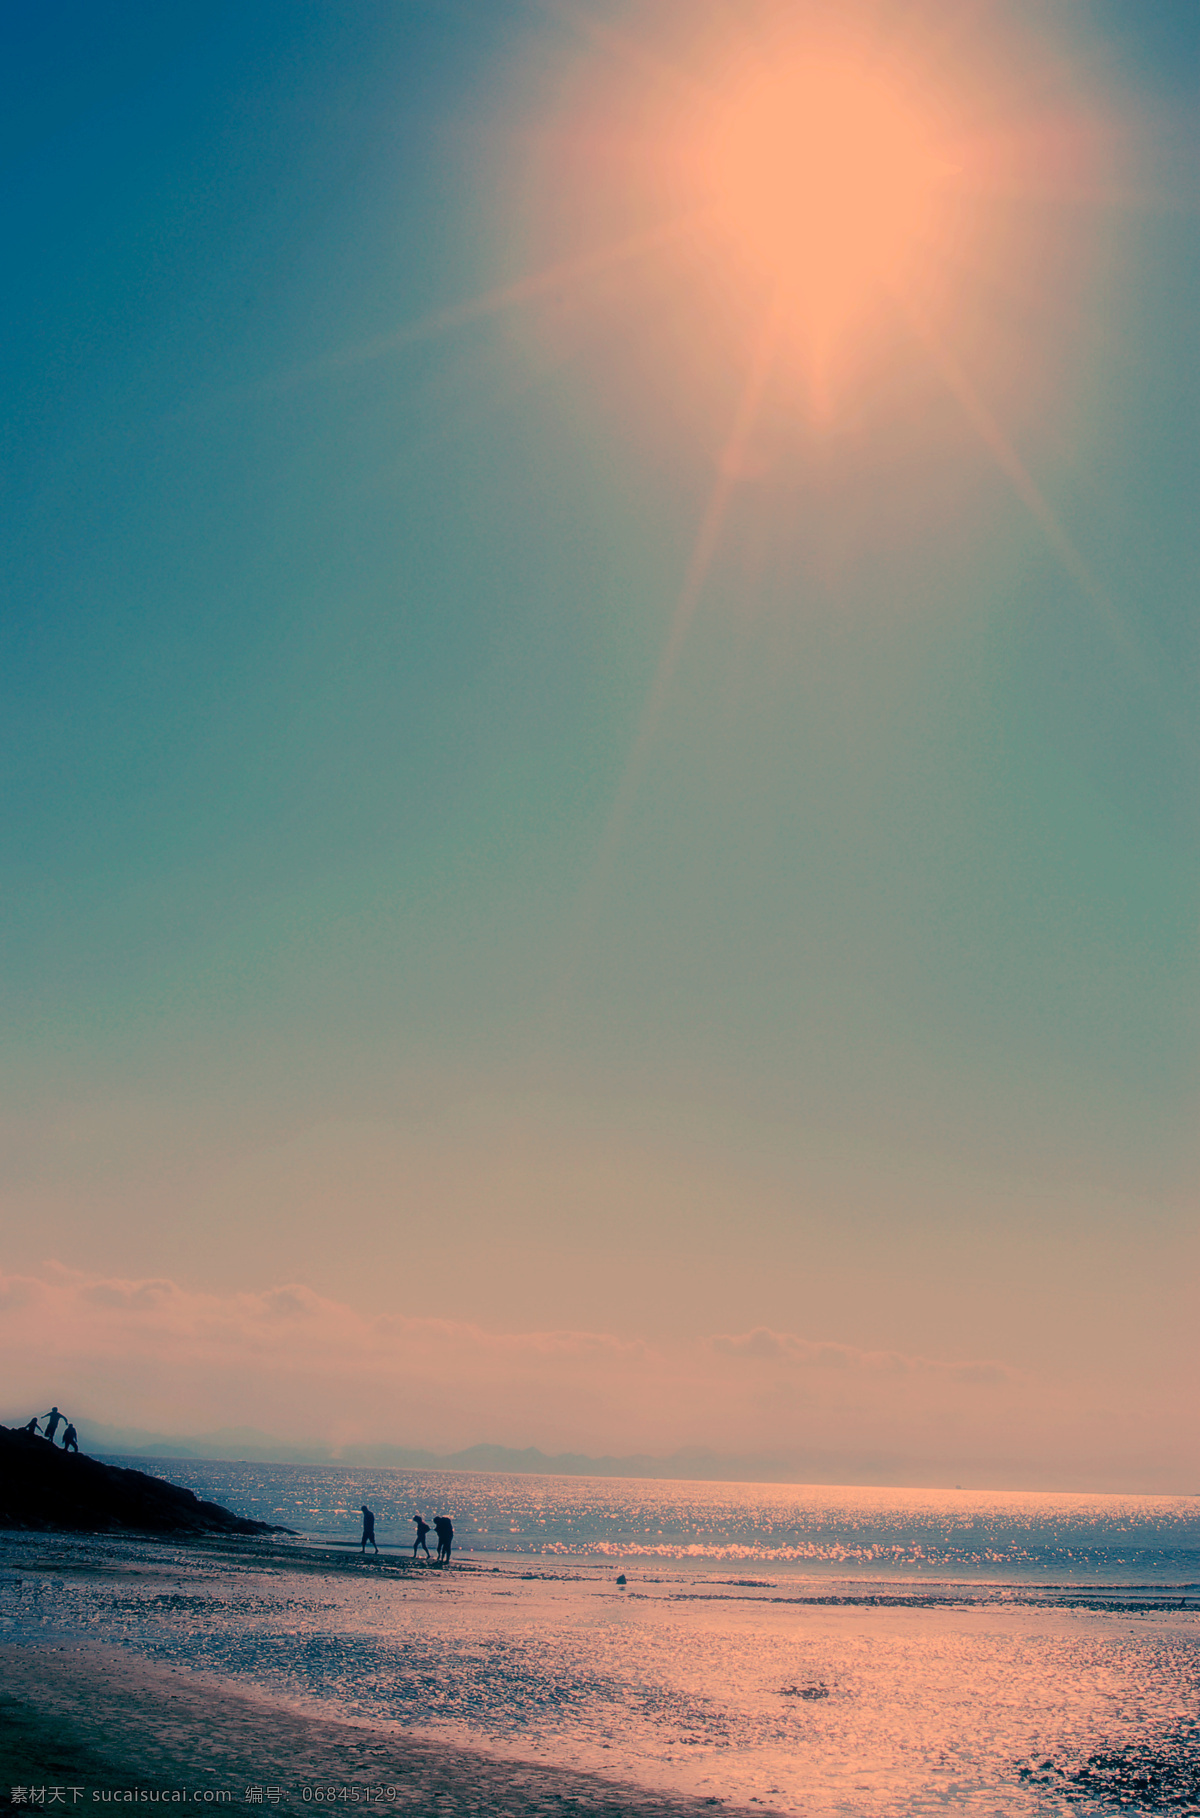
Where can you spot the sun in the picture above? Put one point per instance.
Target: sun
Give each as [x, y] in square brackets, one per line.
[837, 201]
[828, 176]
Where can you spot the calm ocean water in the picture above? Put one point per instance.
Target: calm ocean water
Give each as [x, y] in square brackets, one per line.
[909, 1535]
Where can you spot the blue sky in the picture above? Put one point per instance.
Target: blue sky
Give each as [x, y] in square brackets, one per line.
[362, 930]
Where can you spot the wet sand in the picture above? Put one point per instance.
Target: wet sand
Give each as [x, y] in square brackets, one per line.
[291, 1677]
[103, 1721]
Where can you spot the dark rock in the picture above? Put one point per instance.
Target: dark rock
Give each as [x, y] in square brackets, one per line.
[41, 1486]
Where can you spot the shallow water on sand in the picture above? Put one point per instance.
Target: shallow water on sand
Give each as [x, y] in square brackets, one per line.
[897, 1690]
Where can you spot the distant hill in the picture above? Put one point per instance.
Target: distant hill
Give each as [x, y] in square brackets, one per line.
[43, 1487]
[250, 1445]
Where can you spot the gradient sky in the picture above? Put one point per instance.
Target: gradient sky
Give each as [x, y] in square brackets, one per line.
[798, 1038]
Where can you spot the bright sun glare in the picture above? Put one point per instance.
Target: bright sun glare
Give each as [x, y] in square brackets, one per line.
[826, 175]
[854, 210]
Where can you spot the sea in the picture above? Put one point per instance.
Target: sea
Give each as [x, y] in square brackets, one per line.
[865, 1653]
[1039, 1543]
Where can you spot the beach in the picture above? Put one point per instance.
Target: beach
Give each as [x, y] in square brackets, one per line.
[106, 1728]
[293, 1674]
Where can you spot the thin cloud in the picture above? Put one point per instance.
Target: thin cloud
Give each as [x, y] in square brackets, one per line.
[163, 1356]
[130, 1296]
[292, 1321]
[763, 1345]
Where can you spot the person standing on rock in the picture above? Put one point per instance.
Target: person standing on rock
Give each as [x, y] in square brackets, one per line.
[70, 1439]
[53, 1421]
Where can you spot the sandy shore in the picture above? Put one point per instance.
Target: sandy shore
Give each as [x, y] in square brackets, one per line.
[291, 1677]
[103, 1721]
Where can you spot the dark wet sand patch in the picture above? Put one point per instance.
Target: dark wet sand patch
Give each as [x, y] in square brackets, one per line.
[97, 1718]
[1134, 1778]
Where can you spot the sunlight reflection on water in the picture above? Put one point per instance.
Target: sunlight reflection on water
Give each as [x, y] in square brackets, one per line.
[991, 1533]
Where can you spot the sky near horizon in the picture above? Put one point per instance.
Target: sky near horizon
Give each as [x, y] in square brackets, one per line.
[600, 810]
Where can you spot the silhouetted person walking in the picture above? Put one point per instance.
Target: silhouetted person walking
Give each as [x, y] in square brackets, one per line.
[444, 1529]
[53, 1421]
[420, 1541]
[70, 1439]
[368, 1530]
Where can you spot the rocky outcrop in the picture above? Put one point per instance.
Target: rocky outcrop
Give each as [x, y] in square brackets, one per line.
[41, 1486]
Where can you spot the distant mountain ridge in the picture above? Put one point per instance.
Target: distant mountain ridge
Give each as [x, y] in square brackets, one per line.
[692, 1463]
[252, 1446]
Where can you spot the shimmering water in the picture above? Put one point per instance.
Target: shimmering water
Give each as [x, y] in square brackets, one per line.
[1013, 1537]
[854, 1653]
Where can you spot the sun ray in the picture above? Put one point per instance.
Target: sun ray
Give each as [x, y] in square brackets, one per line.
[730, 467]
[1015, 471]
[567, 273]
[522, 290]
[629, 50]
[1029, 492]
